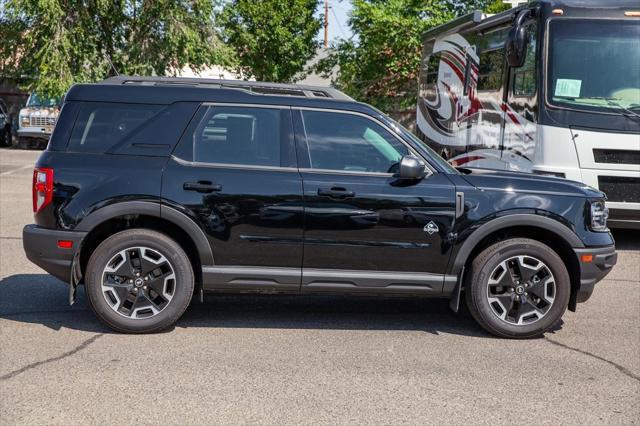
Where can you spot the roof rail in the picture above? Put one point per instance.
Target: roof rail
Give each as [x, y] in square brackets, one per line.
[255, 87]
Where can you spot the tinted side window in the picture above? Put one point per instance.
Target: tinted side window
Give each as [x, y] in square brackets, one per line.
[349, 142]
[491, 69]
[524, 78]
[431, 71]
[101, 125]
[238, 135]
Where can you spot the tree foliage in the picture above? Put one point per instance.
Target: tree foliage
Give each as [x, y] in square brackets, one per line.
[273, 39]
[381, 64]
[47, 45]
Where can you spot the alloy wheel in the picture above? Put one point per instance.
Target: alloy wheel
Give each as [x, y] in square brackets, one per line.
[138, 282]
[521, 290]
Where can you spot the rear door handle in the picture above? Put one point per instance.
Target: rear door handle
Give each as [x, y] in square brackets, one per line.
[203, 186]
[336, 192]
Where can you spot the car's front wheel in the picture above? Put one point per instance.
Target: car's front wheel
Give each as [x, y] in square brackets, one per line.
[517, 288]
[139, 281]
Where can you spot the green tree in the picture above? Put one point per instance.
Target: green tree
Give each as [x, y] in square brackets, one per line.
[381, 64]
[47, 45]
[496, 6]
[273, 39]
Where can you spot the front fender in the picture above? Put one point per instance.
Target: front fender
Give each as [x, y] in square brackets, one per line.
[503, 222]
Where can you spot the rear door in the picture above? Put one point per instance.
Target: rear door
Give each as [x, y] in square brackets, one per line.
[365, 230]
[235, 174]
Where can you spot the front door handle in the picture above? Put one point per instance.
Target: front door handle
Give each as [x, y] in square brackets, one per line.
[336, 192]
[203, 186]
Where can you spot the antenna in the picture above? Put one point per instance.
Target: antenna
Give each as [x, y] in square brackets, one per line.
[112, 66]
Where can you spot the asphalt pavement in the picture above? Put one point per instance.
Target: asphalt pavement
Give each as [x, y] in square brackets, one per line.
[309, 360]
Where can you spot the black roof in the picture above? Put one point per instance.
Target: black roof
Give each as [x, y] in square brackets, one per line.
[168, 90]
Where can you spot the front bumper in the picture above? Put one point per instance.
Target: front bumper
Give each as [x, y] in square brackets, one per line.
[602, 261]
[624, 218]
[34, 132]
[41, 247]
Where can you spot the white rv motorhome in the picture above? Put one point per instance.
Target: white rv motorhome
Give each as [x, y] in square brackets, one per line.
[550, 87]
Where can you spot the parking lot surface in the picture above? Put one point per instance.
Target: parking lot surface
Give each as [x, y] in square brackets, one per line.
[277, 359]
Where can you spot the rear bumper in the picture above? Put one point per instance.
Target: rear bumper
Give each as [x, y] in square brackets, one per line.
[603, 260]
[41, 247]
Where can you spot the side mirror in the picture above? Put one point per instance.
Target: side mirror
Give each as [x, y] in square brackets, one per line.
[411, 168]
[516, 45]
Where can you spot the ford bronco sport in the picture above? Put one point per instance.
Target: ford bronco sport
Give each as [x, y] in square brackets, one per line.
[152, 190]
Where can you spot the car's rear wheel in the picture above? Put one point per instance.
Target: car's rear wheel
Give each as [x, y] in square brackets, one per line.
[517, 288]
[139, 281]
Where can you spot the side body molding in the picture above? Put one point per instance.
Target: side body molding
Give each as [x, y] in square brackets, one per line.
[148, 208]
[506, 222]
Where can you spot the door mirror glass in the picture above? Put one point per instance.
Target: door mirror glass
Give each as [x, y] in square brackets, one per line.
[411, 167]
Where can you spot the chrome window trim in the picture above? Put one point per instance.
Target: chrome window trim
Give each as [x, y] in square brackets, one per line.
[412, 151]
[345, 172]
[231, 166]
[244, 105]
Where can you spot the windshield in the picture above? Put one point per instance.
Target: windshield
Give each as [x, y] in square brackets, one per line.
[36, 101]
[594, 65]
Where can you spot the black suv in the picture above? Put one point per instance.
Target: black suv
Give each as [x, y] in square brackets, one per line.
[152, 190]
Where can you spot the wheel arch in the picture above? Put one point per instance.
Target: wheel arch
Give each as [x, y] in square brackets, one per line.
[107, 220]
[548, 231]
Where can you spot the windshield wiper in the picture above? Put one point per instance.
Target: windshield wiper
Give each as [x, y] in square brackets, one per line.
[625, 111]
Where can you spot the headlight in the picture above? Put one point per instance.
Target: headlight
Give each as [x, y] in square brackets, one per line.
[24, 120]
[599, 216]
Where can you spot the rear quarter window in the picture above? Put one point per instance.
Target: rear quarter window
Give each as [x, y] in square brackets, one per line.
[99, 126]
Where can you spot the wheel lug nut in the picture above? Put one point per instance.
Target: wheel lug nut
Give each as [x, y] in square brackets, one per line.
[145, 287]
[137, 274]
[146, 278]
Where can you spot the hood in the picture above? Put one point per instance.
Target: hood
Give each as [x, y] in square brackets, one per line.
[497, 180]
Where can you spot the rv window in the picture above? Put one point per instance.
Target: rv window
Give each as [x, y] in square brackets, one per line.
[524, 78]
[490, 70]
[431, 71]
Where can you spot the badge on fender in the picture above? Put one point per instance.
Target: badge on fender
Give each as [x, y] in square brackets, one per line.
[431, 228]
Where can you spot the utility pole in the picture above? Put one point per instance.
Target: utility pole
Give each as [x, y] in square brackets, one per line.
[326, 23]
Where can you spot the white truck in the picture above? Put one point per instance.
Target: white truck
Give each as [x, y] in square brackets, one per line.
[37, 120]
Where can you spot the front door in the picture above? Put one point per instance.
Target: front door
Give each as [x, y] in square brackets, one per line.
[366, 230]
[235, 173]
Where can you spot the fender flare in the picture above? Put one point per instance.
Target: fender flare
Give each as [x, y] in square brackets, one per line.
[148, 208]
[519, 219]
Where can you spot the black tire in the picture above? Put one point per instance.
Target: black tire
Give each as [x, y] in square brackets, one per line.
[182, 288]
[488, 262]
[5, 140]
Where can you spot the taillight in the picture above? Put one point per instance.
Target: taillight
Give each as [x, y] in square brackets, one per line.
[42, 188]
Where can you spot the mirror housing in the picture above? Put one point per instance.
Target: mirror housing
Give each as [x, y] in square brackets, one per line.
[411, 167]
[516, 45]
